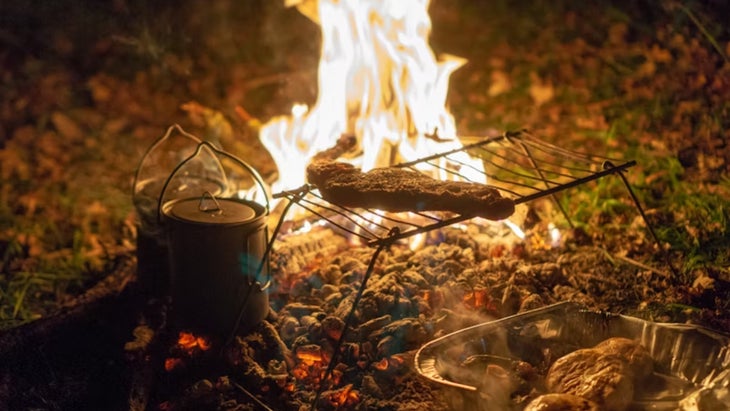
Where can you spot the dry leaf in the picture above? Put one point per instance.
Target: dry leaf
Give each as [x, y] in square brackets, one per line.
[217, 127]
[703, 282]
[101, 92]
[540, 92]
[596, 122]
[660, 55]
[66, 127]
[500, 83]
[617, 33]
[647, 69]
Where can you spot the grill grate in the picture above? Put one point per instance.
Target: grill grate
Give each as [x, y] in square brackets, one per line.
[517, 164]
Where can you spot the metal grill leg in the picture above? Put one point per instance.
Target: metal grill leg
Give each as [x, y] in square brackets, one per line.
[608, 165]
[348, 320]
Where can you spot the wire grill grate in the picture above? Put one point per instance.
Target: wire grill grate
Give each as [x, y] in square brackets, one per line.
[517, 164]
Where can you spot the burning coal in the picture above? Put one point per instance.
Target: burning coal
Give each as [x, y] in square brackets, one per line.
[188, 346]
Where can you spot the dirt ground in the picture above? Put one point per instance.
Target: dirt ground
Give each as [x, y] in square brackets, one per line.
[86, 88]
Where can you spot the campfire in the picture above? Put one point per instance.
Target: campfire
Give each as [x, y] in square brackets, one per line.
[366, 267]
[365, 251]
[379, 81]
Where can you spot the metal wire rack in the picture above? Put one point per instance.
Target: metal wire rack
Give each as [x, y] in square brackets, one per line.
[516, 163]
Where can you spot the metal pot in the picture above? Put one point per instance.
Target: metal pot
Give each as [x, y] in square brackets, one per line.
[217, 247]
[218, 262]
[154, 169]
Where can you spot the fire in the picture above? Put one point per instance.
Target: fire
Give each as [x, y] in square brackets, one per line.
[378, 80]
[479, 299]
[188, 346]
[344, 396]
[381, 365]
[310, 358]
[311, 364]
[434, 298]
[394, 362]
[555, 235]
[188, 342]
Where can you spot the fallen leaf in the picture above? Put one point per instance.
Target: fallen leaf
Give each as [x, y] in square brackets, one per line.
[66, 127]
[703, 282]
[617, 33]
[500, 83]
[541, 92]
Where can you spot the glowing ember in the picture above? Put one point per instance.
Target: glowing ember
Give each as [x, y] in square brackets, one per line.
[434, 298]
[396, 360]
[344, 396]
[189, 343]
[393, 362]
[172, 363]
[311, 365]
[378, 80]
[381, 365]
[479, 299]
[309, 358]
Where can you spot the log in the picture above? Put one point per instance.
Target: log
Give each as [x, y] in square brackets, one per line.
[72, 314]
[73, 358]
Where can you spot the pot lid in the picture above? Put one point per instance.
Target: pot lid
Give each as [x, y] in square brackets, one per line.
[209, 210]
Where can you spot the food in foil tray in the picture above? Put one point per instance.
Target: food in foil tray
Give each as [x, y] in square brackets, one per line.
[605, 374]
[564, 357]
[561, 402]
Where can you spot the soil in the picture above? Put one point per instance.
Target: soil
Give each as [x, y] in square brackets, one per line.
[86, 88]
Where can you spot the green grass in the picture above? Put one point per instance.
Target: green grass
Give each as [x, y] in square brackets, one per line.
[34, 286]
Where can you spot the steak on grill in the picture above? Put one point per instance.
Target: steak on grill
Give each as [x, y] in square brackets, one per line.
[397, 189]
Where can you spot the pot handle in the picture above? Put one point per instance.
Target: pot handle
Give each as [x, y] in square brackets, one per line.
[205, 144]
[146, 157]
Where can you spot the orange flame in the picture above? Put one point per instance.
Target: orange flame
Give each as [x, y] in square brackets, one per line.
[378, 80]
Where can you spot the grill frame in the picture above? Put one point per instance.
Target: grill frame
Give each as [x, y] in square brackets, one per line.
[541, 164]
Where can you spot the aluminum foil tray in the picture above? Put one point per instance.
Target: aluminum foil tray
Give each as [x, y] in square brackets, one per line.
[691, 372]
